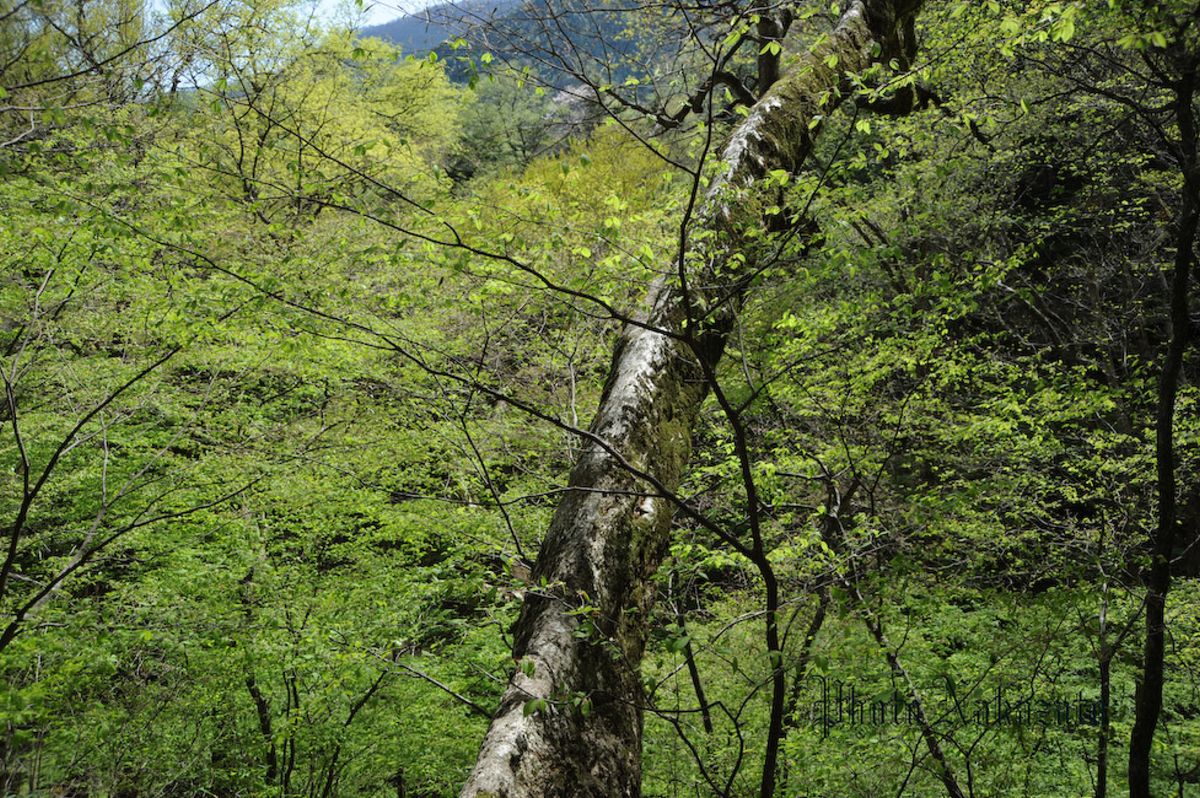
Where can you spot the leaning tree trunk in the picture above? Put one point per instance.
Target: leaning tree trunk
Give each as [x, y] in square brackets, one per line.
[570, 722]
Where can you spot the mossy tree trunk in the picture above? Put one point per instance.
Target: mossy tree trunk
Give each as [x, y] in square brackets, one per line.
[570, 721]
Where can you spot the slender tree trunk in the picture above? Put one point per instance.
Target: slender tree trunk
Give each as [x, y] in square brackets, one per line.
[689, 657]
[1148, 704]
[608, 536]
[943, 769]
[800, 676]
[766, 788]
[1109, 645]
[1105, 724]
[263, 710]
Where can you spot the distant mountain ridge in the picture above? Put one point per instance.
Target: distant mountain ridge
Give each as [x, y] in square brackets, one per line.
[421, 33]
[517, 34]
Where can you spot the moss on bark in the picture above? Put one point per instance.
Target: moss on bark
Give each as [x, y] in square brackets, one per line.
[604, 542]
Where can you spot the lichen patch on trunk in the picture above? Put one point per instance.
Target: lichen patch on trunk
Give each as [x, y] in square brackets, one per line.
[606, 539]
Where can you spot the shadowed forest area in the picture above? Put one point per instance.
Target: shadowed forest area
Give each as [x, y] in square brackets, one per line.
[600, 399]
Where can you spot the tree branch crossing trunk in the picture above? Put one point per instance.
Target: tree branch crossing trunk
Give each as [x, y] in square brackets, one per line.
[570, 722]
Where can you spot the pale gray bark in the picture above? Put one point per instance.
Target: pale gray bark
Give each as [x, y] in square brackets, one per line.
[608, 537]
